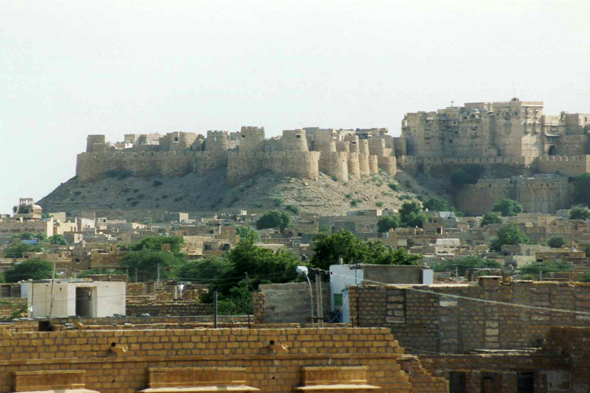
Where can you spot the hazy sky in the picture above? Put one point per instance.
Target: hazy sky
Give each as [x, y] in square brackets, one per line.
[72, 68]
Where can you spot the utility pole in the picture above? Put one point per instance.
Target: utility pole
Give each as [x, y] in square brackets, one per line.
[318, 297]
[52, 296]
[215, 310]
[158, 279]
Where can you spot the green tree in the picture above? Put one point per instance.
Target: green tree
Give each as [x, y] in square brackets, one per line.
[29, 270]
[386, 223]
[556, 242]
[491, 218]
[510, 234]
[147, 262]
[17, 250]
[325, 228]
[30, 236]
[154, 243]
[204, 270]
[508, 207]
[411, 215]
[544, 267]
[58, 239]
[435, 204]
[293, 209]
[461, 265]
[274, 219]
[582, 189]
[327, 249]
[580, 213]
[237, 302]
[247, 234]
[400, 257]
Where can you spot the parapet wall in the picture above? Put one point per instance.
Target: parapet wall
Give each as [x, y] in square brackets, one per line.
[564, 165]
[443, 166]
[273, 360]
[423, 319]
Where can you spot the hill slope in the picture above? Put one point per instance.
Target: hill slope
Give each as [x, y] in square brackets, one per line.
[133, 197]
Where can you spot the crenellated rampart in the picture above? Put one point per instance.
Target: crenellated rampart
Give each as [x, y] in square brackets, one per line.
[564, 165]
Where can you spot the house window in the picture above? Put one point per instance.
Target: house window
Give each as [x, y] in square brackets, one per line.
[338, 300]
[298, 136]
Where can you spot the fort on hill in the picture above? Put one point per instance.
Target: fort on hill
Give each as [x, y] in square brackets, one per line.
[301, 153]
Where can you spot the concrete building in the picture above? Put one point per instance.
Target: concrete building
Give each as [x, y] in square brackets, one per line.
[344, 276]
[63, 298]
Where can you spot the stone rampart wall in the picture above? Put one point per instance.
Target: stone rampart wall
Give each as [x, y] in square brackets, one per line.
[432, 322]
[443, 166]
[565, 165]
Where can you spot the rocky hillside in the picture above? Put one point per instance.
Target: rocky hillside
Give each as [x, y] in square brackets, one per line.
[139, 198]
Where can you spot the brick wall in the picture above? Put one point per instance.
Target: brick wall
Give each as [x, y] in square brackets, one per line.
[273, 358]
[172, 309]
[431, 322]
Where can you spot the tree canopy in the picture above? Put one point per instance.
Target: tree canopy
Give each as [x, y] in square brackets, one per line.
[29, 270]
[154, 243]
[58, 239]
[386, 223]
[508, 207]
[468, 175]
[579, 213]
[411, 215]
[146, 262]
[247, 234]
[436, 204]
[274, 219]
[491, 218]
[17, 250]
[510, 234]
[343, 244]
[556, 242]
[203, 270]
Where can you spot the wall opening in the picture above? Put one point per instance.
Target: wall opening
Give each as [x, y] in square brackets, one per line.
[457, 382]
[526, 383]
[83, 298]
[552, 151]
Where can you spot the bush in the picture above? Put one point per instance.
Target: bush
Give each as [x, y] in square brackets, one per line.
[388, 222]
[510, 234]
[508, 207]
[17, 250]
[579, 213]
[544, 267]
[118, 174]
[411, 215]
[328, 228]
[293, 209]
[274, 219]
[278, 202]
[157, 183]
[355, 202]
[146, 264]
[436, 204]
[395, 187]
[379, 204]
[58, 239]
[154, 243]
[29, 270]
[247, 234]
[556, 242]
[491, 218]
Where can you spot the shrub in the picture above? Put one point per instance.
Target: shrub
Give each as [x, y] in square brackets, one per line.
[556, 242]
[379, 204]
[579, 213]
[508, 207]
[355, 202]
[29, 270]
[491, 218]
[388, 222]
[274, 219]
[157, 183]
[278, 202]
[293, 209]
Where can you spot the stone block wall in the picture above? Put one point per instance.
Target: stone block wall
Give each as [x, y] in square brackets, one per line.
[117, 361]
[429, 321]
[169, 308]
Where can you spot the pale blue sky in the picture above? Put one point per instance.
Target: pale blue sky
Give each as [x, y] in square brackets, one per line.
[72, 68]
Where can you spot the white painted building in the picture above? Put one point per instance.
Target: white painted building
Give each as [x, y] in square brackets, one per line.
[64, 298]
[343, 276]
